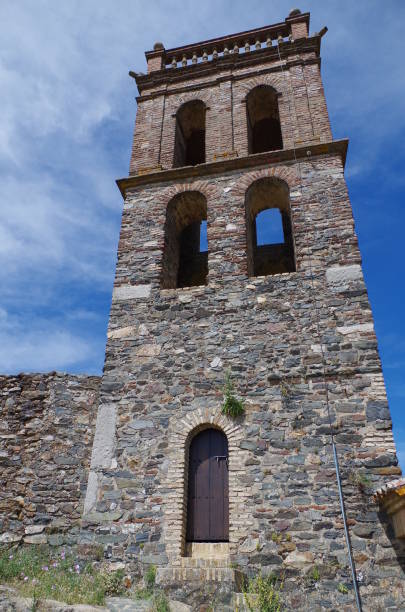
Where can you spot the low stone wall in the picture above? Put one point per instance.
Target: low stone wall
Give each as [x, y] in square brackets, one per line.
[46, 434]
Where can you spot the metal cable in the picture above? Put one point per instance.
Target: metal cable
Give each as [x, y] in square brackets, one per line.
[318, 330]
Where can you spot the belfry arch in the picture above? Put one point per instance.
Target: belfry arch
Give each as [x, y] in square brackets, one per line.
[271, 257]
[189, 144]
[264, 130]
[184, 261]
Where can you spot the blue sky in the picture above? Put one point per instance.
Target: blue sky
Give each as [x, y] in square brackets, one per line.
[66, 125]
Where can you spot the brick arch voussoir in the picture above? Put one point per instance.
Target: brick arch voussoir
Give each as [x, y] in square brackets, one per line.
[288, 175]
[203, 419]
[176, 101]
[209, 191]
[275, 81]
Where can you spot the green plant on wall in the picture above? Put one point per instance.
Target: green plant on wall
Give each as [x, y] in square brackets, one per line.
[360, 480]
[284, 389]
[263, 594]
[232, 406]
[150, 577]
[315, 574]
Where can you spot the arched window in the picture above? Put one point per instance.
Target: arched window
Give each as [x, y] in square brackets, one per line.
[189, 144]
[207, 503]
[264, 131]
[185, 254]
[270, 246]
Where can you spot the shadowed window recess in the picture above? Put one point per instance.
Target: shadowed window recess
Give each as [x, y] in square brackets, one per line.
[264, 131]
[185, 254]
[189, 144]
[270, 245]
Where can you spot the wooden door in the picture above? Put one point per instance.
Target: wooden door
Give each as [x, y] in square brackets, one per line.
[207, 508]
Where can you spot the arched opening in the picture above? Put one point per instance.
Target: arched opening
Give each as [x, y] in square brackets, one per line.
[185, 253]
[189, 144]
[208, 499]
[270, 245]
[264, 130]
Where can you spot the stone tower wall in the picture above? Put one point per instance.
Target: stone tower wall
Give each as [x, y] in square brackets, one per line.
[167, 354]
[285, 339]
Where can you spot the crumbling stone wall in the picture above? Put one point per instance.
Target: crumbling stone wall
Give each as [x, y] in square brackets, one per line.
[46, 432]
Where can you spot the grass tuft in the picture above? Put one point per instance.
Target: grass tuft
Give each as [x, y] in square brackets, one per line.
[41, 573]
[263, 594]
[160, 603]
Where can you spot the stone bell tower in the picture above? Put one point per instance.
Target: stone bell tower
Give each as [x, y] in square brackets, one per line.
[233, 141]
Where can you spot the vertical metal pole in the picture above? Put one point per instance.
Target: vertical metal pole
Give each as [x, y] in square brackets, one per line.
[347, 535]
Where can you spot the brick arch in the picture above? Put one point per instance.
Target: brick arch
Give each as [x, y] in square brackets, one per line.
[175, 101]
[284, 173]
[276, 81]
[180, 433]
[208, 190]
[240, 92]
[195, 189]
[200, 419]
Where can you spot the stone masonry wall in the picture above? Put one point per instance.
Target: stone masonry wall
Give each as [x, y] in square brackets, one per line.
[46, 432]
[166, 357]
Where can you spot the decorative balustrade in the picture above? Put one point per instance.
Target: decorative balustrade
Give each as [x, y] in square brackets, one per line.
[213, 50]
[295, 26]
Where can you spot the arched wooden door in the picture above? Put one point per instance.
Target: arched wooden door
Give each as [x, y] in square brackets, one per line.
[208, 507]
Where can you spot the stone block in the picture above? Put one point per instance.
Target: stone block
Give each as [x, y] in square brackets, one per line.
[298, 559]
[34, 529]
[131, 292]
[377, 410]
[10, 538]
[36, 539]
[103, 517]
[123, 332]
[140, 424]
[340, 276]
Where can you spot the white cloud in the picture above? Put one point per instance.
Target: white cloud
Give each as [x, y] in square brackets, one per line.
[41, 348]
[45, 230]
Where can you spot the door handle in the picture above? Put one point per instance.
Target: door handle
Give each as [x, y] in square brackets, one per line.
[218, 457]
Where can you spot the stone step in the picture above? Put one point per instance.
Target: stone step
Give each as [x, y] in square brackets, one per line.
[207, 550]
[123, 604]
[167, 575]
[191, 562]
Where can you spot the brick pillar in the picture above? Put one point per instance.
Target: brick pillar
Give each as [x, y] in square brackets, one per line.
[155, 58]
[299, 24]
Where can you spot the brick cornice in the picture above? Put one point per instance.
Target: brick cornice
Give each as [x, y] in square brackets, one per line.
[334, 147]
[225, 77]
